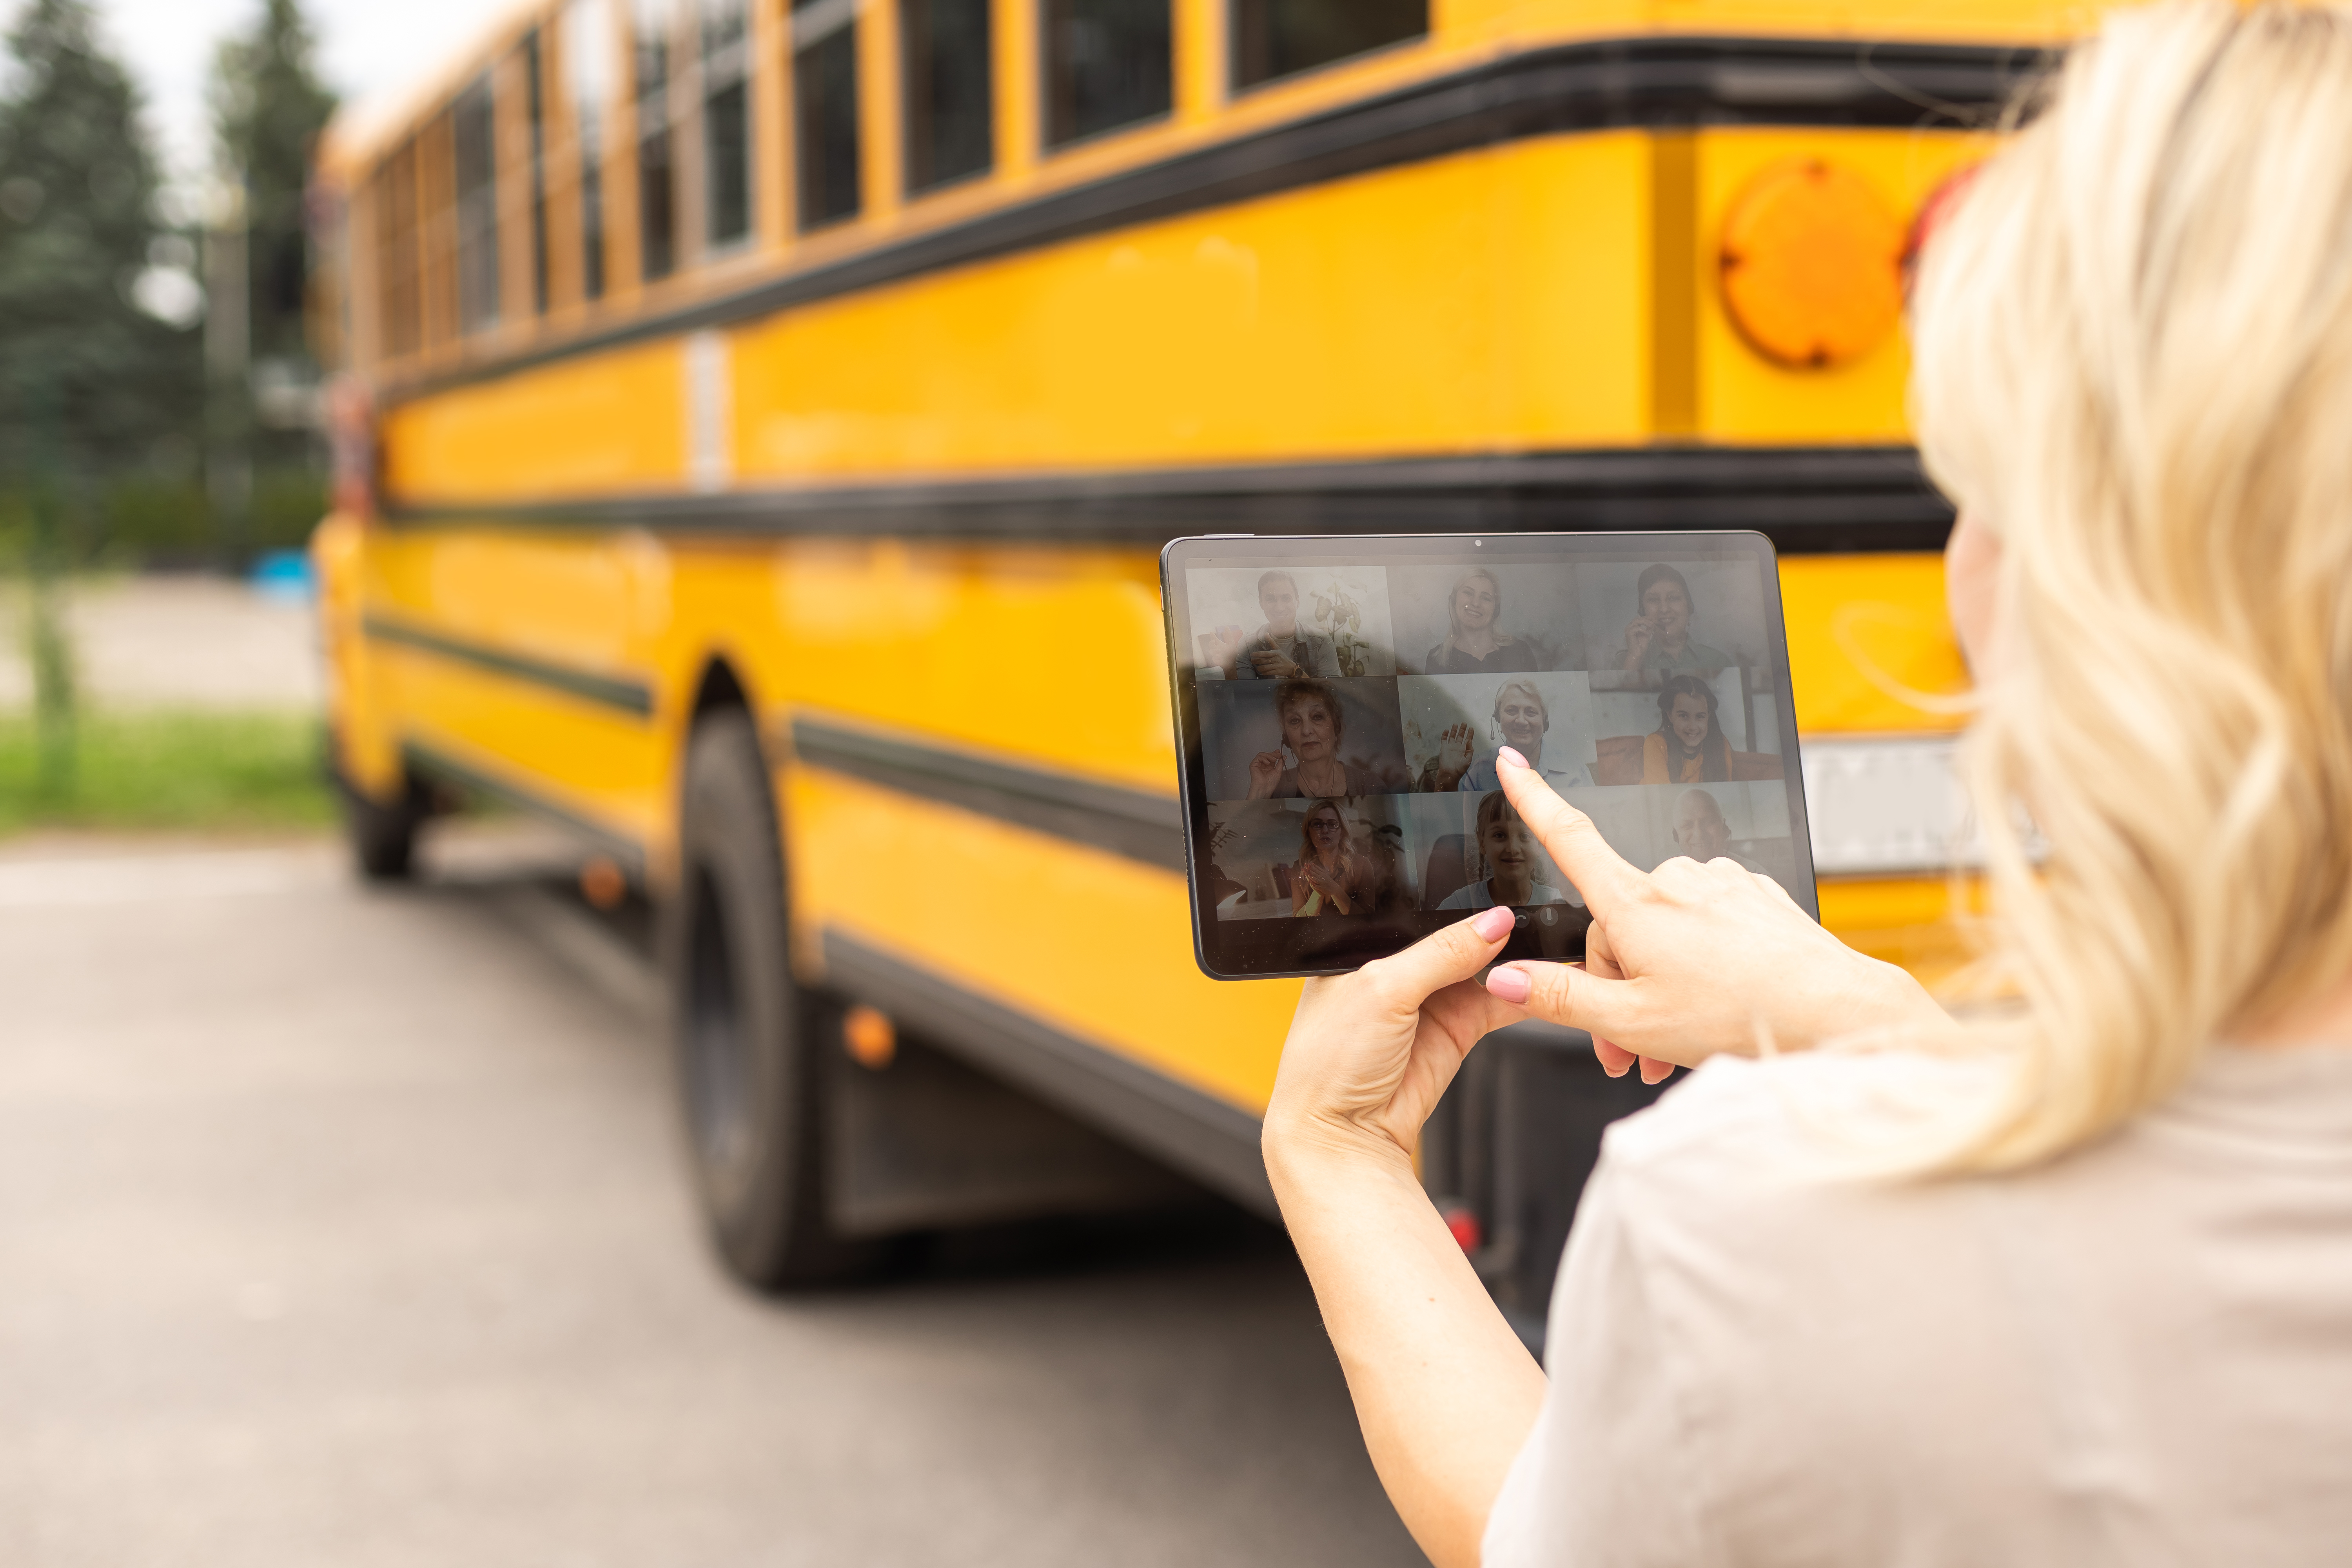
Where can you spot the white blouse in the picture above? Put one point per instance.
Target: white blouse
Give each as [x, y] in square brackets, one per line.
[2141, 1355]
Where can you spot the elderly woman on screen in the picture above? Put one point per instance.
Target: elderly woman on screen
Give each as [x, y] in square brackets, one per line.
[1522, 720]
[2064, 1276]
[1312, 727]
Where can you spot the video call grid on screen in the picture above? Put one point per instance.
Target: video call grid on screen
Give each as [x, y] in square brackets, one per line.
[1341, 702]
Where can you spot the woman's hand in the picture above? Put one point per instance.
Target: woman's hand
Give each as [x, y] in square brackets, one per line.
[1266, 775]
[1691, 959]
[1638, 634]
[1453, 752]
[1369, 1053]
[1446, 1391]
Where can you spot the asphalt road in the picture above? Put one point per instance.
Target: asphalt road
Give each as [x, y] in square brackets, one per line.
[340, 1226]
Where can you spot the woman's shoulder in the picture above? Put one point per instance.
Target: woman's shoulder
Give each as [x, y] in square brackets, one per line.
[1810, 1115]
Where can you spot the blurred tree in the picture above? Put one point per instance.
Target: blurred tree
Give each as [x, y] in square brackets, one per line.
[89, 384]
[268, 107]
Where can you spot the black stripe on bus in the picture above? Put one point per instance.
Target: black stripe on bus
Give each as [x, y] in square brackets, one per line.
[1806, 499]
[611, 691]
[426, 761]
[1130, 822]
[1650, 81]
[1196, 1133]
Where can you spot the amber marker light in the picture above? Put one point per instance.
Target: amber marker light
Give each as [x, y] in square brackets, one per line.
[871, 1039]
[1811, 264]
[604, 884]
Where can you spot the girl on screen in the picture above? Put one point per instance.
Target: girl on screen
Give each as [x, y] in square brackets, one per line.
[1510, 852]
[1689, 746]
[1473, 645]
[1329, 878]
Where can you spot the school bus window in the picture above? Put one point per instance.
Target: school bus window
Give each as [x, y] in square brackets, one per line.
[399, 312]
[535, 97]
[726, 123]
[476, 150]
[1106, 64]
[943, 61]
[825, 97]
[588, 70]
[657, 178]
[1276, 37]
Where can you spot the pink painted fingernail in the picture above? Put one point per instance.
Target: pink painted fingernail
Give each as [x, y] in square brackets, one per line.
[1511, 757]
[1511, 984]
[1494, 924]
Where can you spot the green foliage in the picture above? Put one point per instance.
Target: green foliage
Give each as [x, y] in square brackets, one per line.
[172, 770]
[268, 107]
[89, 384]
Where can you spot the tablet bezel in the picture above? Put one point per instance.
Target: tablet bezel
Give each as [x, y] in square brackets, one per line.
[1278, 949]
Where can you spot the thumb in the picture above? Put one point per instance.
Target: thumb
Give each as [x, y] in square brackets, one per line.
[1405, 980]
[1569, 995]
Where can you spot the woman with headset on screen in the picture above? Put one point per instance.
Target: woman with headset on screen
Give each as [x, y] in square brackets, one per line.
[2065, 1276]
[1522, 720]
[1688, 745]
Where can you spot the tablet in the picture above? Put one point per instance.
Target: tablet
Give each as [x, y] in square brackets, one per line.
[1339, 702]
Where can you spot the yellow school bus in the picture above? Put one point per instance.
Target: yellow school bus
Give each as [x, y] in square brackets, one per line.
[757, 423]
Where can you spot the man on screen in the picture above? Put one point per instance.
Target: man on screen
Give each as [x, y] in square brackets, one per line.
[1281, 650]
[1701, 832]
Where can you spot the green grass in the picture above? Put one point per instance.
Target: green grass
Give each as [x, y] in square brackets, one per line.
[177, 769]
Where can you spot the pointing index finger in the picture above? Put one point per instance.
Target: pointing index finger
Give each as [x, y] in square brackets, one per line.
[1600, 873]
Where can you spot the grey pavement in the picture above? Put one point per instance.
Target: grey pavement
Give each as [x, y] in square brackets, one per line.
[176, 641]
[346, 1226]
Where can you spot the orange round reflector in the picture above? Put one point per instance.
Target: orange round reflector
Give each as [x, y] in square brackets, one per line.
[1812, 264]
[604, 884]
[870, 1037]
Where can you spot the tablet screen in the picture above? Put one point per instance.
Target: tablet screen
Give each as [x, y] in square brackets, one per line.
[1339, 703]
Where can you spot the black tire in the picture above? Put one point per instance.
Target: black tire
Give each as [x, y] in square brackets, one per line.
[383, 836]
[752, 1078]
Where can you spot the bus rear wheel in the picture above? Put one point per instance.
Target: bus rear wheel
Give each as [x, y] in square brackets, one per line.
[383, 836]
[752, 1078]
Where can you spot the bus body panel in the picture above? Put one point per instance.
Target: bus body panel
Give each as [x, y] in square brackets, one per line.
[1446, 307]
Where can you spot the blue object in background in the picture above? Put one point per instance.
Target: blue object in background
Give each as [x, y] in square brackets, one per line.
[284, 574]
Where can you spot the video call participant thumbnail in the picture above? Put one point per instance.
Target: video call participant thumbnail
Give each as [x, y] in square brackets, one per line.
[1522, 718]
[1281, 650]
[1701, 832]
[1335, 874]
[1475, 642]
[1313, 726]
[1508, 851]
[1689, 745]
[1659, 639]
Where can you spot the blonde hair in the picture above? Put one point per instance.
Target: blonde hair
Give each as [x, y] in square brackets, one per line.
[2134, 365]
[1454, 612]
